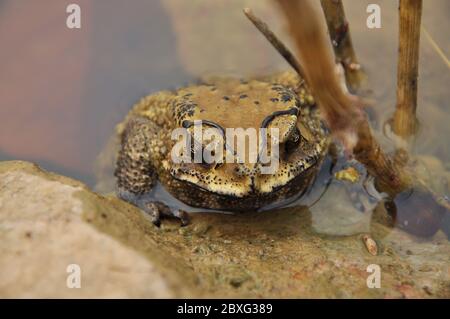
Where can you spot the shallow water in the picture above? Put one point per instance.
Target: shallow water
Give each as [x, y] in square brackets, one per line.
[62, 91]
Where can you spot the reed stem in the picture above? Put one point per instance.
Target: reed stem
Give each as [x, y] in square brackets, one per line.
[341, 41]
[405, 121]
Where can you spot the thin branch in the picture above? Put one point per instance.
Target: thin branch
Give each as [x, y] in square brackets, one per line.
[341, 40]
[273, 39]
[405, 120]
[436, 47]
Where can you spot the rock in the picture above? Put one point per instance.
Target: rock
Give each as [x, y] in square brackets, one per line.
[48, 222]
[46, 225]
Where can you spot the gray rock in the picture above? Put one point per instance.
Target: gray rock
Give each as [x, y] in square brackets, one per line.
[44, 227]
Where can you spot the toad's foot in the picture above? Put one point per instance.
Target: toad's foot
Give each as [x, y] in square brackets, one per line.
[158, 210]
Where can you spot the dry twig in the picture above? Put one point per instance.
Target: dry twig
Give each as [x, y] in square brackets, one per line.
[405, 121]
[342, 42]
[272, 38]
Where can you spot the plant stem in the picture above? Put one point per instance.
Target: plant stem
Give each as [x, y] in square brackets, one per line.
[341, 40]
[405, 121]
[273, 39]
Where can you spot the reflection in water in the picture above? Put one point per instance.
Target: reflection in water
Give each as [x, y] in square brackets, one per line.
[415, 212]
[65, 91]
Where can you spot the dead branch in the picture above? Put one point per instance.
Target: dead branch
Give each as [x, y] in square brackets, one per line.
[405, 120]
[341, 40]
[277, 44]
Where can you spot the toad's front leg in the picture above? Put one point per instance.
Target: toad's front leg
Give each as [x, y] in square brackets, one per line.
[136, 174]
[158, 210]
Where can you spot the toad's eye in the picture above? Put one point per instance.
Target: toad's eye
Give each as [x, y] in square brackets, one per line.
[197, 157]
[293, 141]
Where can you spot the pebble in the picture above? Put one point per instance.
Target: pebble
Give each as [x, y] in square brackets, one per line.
[349, 174]
[370, 244]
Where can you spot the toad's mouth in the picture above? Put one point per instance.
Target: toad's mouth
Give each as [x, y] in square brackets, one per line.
[197, 195]
[241, 186]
